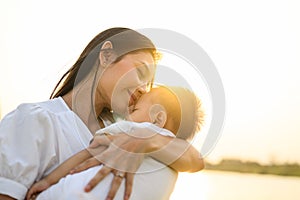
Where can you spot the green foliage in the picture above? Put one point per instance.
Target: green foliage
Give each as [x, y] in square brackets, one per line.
[253, 167]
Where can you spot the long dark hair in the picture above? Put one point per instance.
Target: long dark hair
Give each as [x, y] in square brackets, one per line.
[124, 41]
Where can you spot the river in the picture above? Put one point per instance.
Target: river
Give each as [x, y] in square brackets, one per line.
[217, 185]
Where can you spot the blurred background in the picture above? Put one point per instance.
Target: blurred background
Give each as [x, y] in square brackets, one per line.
[255, 46]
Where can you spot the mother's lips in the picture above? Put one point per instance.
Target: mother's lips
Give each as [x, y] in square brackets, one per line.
[132, 98]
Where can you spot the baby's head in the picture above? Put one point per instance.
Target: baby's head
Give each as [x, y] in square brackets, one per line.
[174, 108]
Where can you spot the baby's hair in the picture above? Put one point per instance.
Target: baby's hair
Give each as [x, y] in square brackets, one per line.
[184, 110]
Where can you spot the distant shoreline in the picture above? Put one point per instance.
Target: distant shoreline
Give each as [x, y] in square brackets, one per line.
[256, 168]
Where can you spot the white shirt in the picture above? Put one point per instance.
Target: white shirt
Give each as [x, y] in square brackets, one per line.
[34, 139]
[130, 127]
[153, 180]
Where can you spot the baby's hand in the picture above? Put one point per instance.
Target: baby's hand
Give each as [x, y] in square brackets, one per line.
[37, 188]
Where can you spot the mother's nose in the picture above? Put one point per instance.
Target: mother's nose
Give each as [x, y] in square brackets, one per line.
[140, 91]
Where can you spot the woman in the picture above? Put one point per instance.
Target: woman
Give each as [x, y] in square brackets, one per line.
[112, 72]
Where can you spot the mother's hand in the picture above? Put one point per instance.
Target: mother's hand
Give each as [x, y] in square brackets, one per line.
[123, 157]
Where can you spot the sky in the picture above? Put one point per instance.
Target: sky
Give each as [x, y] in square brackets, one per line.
[255, 46]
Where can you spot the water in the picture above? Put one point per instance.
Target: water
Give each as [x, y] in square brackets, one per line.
[216, 185]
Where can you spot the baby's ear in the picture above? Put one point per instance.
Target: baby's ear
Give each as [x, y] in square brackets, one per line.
[158, 115]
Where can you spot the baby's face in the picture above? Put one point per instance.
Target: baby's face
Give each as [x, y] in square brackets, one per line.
[141, 111]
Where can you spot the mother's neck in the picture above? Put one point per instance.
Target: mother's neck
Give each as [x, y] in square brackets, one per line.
[79, 101]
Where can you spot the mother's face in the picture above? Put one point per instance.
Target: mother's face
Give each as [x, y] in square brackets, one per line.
[123, 82]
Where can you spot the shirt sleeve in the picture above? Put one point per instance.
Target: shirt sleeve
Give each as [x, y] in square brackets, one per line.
[129, 127]
[116, 128]
[27, 148]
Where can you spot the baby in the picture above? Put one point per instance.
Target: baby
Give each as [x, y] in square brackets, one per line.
[164, 110]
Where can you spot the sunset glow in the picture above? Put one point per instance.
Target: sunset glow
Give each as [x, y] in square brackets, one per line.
[257, 57]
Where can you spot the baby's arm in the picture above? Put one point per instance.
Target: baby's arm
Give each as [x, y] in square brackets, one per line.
[61, 171]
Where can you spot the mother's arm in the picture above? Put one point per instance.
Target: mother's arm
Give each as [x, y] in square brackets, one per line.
[126, 150]
[5, 197]
[125, 153]
[176, 153]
